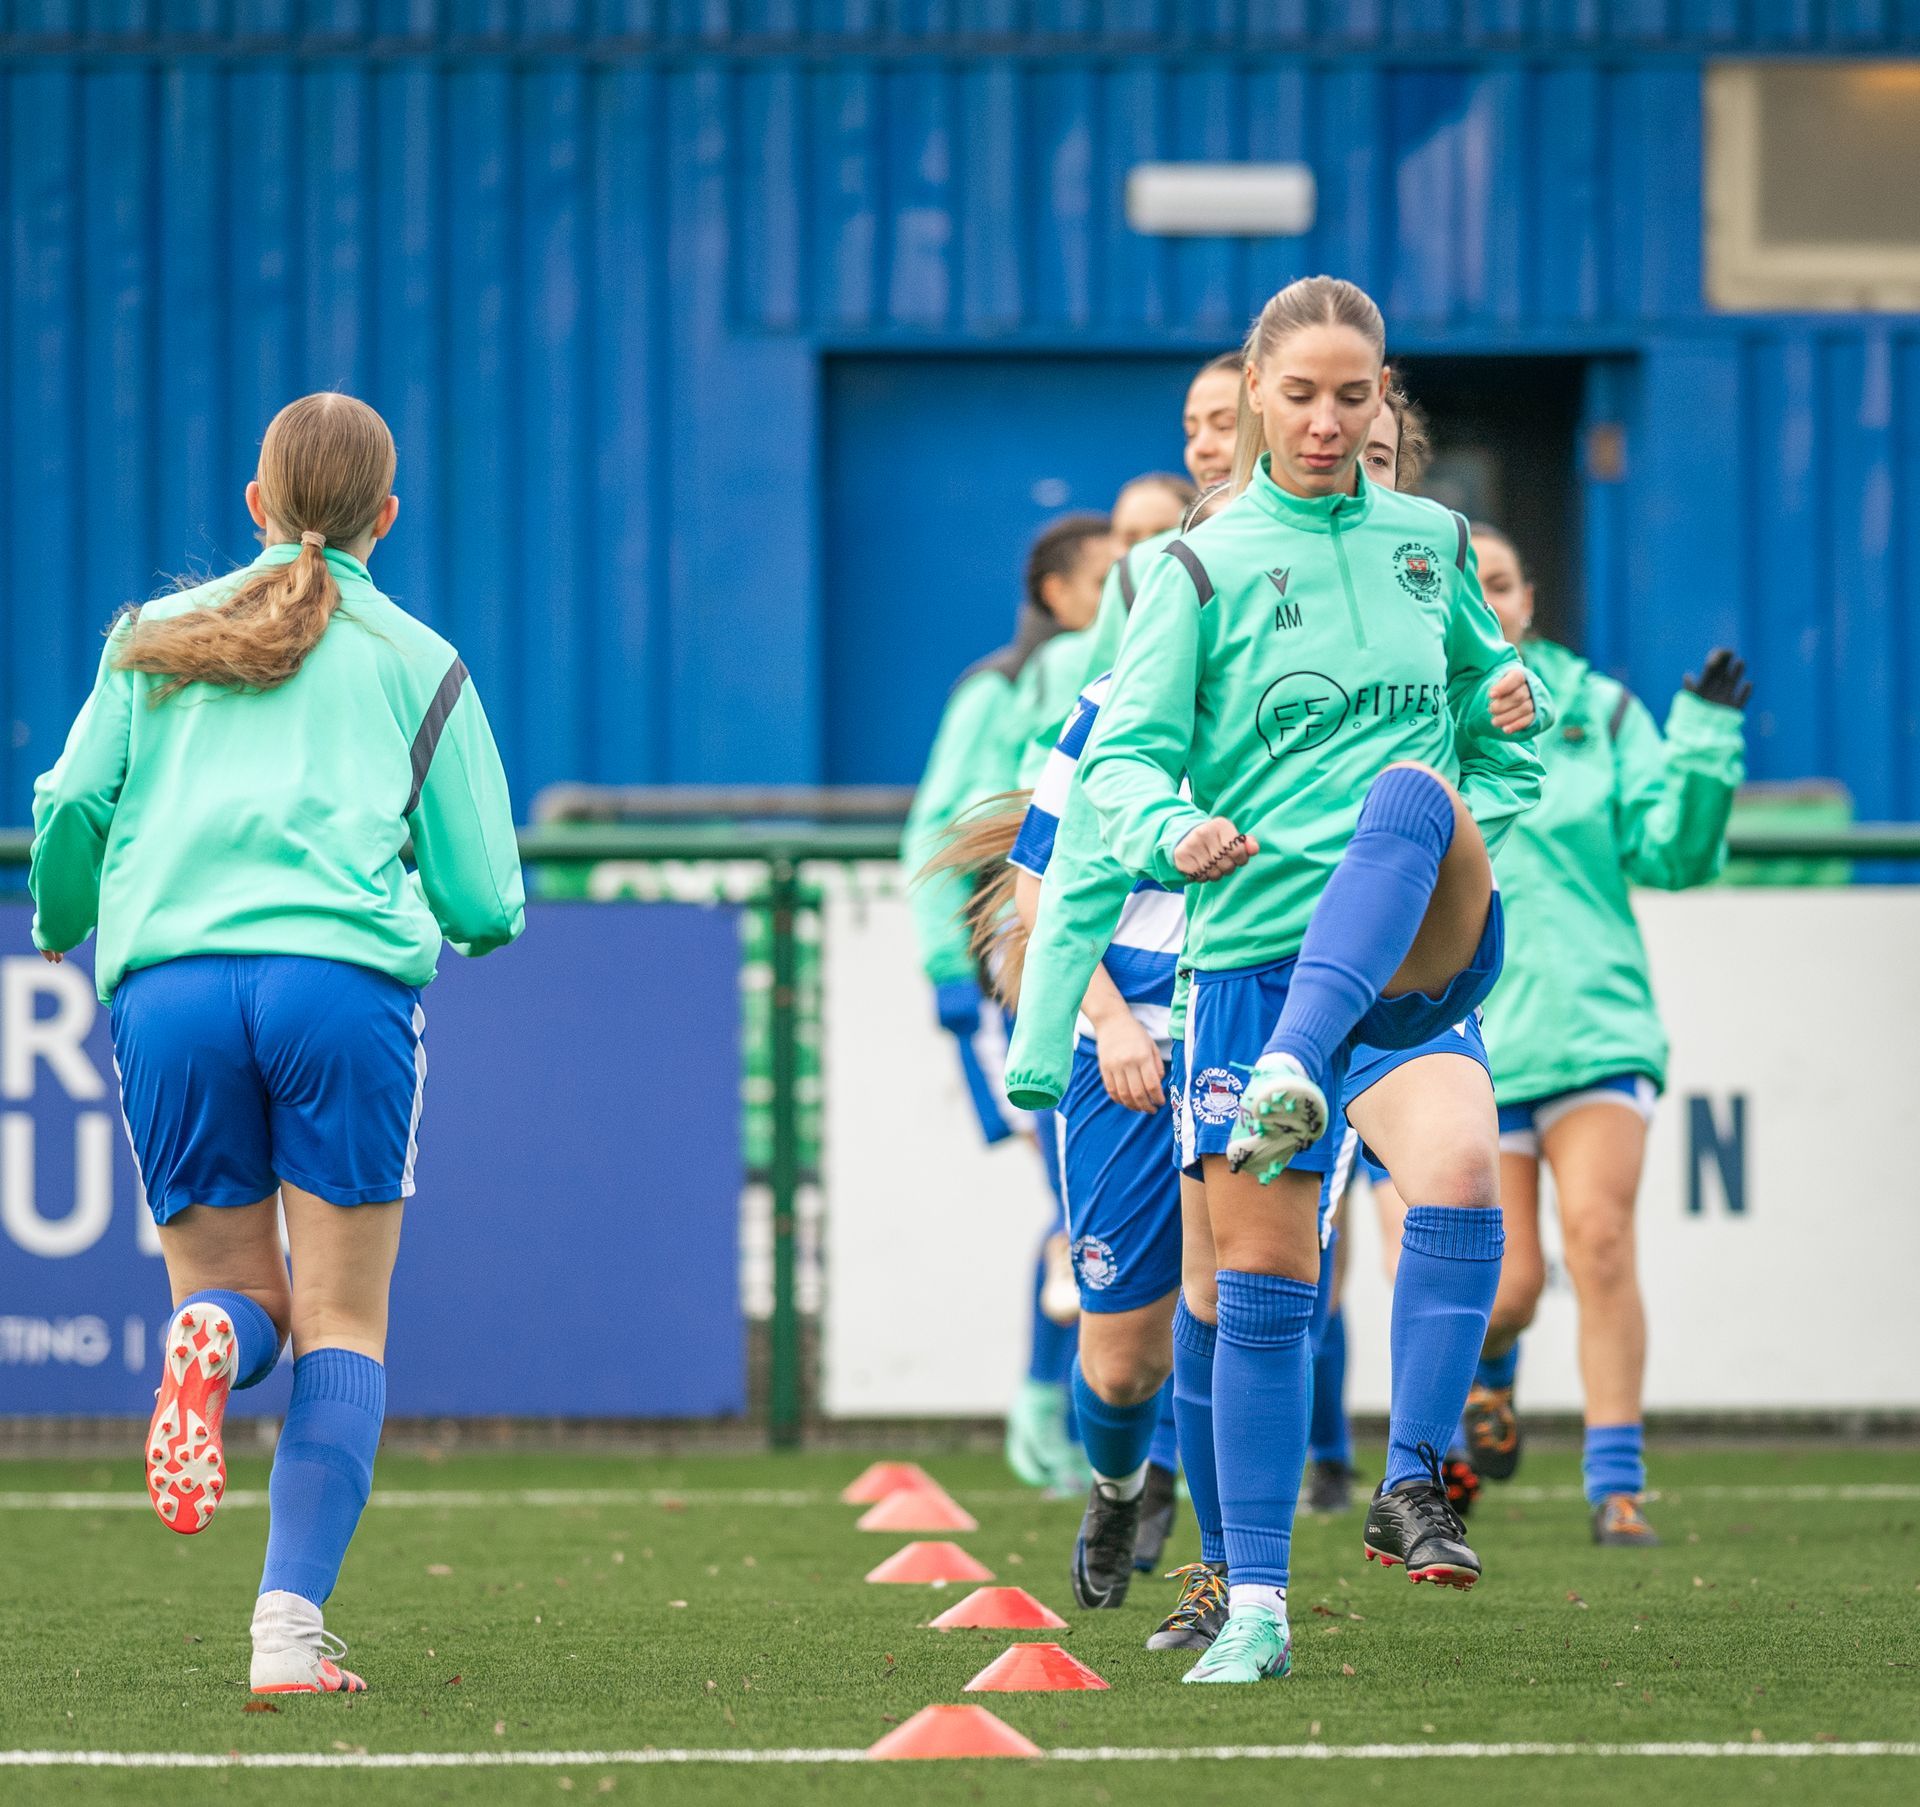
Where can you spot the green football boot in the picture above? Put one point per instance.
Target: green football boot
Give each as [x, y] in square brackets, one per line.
[1253, 1644]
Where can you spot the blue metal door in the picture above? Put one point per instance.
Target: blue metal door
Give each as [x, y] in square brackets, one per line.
[939, 471]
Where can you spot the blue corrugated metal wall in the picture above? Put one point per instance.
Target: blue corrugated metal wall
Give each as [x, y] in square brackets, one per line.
[587, 257]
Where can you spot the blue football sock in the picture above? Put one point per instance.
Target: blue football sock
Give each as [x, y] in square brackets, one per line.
[1165, 1452]
[256, 1341]
[1613, 1461]
[1050, 1356]
[1262, 1370]
[1193, 1346]
[1497, 1371]
[1329, 1438]
[1368, 914]
[1449, 1272]
[1115, 1437]
[322, 1469]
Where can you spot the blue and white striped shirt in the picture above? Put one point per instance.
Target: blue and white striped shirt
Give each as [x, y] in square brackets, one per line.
[1145, 951]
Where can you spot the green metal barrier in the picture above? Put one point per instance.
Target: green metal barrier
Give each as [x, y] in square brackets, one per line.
[783, 849]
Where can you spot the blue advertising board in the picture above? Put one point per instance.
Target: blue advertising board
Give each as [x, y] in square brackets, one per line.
[572, 1250]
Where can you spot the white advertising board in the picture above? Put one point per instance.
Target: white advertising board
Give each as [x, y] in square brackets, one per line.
[1779, 1214]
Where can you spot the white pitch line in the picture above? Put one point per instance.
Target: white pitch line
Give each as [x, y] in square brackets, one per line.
[1377, 1753]
[447, 1498]
[463, 1499]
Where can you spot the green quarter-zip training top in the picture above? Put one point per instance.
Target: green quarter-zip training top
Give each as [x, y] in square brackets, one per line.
[1280, 656]
[224, 821]
[1620, 807]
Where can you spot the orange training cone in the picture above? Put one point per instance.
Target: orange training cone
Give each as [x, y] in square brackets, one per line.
[930, 1565]
[999, 1609]
[882, 1478]
[954, 1732]
[922, 1509]
[1032, 1668]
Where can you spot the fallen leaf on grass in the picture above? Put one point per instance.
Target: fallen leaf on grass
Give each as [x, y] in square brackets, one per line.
[499, 1728]
[1574, 1599]
[452, 1681]
[676, 1603]
[1326, 1612]
[1313, 1731]
[1347, 1669]
[259, 1706]
[673, 1505]
[439, 1568]
[190, 1638]
[352, 1750]
[711, 1686]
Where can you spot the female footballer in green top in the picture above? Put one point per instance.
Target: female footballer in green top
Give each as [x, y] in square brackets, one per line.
[1319, 662]
[232, 812]
[1577, 1045]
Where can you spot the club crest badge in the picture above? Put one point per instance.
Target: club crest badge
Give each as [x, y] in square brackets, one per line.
[1418, 569]
[1093, 1261]
[1214, 1095]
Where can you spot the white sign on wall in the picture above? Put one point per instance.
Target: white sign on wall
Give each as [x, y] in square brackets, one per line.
[1779, 1221]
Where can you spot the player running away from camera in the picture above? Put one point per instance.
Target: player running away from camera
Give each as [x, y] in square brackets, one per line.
[1085, 893]
[1579, 1053]
[230, 813]
[976, 756]
[1319, 663]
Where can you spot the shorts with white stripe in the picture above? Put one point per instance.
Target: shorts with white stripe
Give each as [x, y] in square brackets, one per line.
[239, 1071]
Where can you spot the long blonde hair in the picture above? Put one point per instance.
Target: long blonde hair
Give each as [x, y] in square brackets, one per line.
[1312, 301]
[976, 848]
[326, 470]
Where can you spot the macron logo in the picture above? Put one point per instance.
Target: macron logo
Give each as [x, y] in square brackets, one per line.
[1278, 577]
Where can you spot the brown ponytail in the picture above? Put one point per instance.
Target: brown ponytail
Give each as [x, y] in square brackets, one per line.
[326, 470]
[976, 848]
[1312, 301]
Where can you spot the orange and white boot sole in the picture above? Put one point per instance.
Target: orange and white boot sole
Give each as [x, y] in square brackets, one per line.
[186, 1469]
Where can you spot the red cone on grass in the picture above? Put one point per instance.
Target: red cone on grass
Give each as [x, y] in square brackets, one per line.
[930, 1564]
[921, 1509]
[882, 1478]
[953, 1732]
[1032, 1669]
[999, 1609]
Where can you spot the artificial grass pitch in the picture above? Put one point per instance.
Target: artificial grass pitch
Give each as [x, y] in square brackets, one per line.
[605, 1603]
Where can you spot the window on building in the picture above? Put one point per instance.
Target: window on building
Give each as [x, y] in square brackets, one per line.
[1813, 185]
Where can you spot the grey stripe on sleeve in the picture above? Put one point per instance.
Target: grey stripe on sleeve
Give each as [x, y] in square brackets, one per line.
[428, 739]
[1126, 580]
[1202, 583]
[1460, 546]
[1619, 713]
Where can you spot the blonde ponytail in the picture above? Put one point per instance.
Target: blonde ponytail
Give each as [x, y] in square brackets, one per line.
[326, 470]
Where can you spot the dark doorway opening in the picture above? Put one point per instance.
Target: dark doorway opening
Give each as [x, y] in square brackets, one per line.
[1505, 432]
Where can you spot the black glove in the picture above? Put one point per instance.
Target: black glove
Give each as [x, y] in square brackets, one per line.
[1723, 679]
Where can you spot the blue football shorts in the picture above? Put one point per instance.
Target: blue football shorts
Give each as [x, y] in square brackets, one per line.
[240, 1071]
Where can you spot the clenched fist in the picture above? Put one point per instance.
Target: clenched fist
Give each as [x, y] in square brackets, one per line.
[1213, 850]
[1510, 701]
